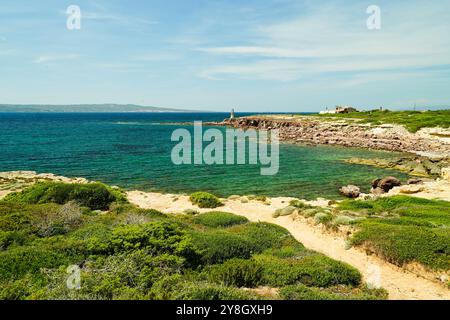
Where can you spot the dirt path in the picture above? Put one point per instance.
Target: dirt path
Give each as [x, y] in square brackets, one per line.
[400, 284]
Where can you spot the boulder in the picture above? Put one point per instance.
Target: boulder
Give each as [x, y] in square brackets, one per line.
[386, 184]
[411, 189]
[375, 183]
[351, 191]
[284, 212]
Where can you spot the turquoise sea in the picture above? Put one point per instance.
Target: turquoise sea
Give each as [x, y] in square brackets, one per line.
[133, 151]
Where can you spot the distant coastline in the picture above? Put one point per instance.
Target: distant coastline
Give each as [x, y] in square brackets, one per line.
[88, 108]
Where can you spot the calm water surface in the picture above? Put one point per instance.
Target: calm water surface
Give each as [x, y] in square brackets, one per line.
[132, 150]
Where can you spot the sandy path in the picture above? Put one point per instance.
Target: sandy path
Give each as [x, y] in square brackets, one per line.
[400, 284]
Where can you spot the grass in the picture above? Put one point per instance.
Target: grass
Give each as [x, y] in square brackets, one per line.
[412, 120]
[404, 229]
[131, 253]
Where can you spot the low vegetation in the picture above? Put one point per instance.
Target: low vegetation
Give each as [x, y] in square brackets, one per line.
[412, 120]
[404, 229]
[217, 219]
[131, 253]
[400, 229]
[95, 196]
[205, 200]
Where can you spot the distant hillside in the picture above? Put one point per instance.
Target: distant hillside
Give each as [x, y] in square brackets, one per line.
[86, 108]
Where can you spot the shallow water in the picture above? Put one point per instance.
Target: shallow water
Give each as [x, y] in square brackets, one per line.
[133, 151]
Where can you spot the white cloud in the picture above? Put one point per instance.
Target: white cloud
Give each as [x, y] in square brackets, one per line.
[333, 39]
[55, 58]
[116, 17]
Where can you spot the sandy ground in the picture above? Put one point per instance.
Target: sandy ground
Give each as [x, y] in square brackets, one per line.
[400, 284]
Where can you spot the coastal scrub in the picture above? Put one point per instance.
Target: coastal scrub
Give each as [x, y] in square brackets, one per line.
[205, 200]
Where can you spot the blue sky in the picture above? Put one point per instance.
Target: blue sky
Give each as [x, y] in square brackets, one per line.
[253, 55]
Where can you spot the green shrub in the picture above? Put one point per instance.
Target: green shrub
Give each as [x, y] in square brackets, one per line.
[301, 292]
[288, 250]
[263, 235]
[16, 217]
[322, 217]
[19, 223]
[312, 270]
[179, 287]
[156, 237]
[219, 246]
[12, 238]
[127, 209]
[219, 219]
[21, 289]
[237, 273]
[95, 196]
[17, 262]
[310, 213]
[402, 244]
[343, 220]
[299, 204]
[407, 229]
[66, 218]
[206, 291]
[205, 200]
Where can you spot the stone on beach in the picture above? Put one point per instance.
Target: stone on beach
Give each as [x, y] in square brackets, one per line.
[385, 184]
[351, 191]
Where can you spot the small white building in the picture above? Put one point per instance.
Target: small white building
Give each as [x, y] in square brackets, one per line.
[340, 109]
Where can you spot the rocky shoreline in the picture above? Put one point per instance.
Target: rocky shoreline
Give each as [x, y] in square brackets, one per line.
[418, 166]
[425, 142]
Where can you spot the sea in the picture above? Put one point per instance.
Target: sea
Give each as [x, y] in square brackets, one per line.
[133, 151]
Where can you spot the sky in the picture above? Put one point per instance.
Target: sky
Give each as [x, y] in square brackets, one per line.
[251, 55]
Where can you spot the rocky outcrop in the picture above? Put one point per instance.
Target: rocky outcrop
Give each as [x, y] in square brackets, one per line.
[413, 165]
[344, 133]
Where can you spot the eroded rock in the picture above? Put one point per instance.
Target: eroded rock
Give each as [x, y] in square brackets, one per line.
[350, 191]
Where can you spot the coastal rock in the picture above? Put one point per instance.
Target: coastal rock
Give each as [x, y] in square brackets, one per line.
[284, 212]
[244, 200]
[411, 189]
[386, 184]
[377, 191]
[375, 183]
[414, 181]
[350, 191]
[346, 133]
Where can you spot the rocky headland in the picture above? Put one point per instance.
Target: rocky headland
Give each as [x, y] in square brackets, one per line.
[428, 142]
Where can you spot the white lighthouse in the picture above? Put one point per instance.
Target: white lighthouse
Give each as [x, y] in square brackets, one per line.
[232, 114]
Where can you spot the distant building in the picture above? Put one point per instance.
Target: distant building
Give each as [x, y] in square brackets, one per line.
[232, 116]
[340, 109]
